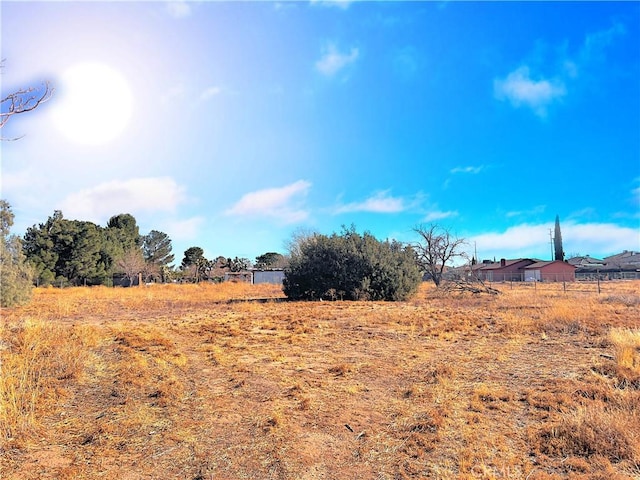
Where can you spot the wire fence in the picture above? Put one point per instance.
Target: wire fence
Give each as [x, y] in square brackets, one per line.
[558, 284]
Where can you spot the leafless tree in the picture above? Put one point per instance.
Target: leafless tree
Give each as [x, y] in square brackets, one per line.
[22, 101]
[297, 239]
[132, 264]
[436, 248]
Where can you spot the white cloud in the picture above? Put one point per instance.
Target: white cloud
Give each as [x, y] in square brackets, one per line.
[342, 4]
[467, 169]
[380, 202]
[596, 43]
[209, 93]
[332, 60]
[20, 180]
[526, 240]
[283, 204]
[514, 239]
[159, 194]
[178, 8]
[520, 89]
[599, 238]
[435, 215]
[183, 230]
[538, 209]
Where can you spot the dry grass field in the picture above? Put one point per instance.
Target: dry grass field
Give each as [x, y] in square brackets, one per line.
[203, 382]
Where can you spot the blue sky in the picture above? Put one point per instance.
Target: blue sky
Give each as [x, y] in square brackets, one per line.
[231, 125]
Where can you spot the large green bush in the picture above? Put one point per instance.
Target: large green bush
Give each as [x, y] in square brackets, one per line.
[350, 266]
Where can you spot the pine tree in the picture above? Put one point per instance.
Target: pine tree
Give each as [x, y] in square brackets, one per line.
[557, 241]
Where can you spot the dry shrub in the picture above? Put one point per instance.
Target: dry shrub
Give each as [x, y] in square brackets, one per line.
[628, 300]
[613, 434]
[270, 421]
[626, 345]
[625, 368]
[36, 359]
[548, 401]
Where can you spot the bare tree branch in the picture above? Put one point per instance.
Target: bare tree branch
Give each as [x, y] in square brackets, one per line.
[436, 248]
[23, 101]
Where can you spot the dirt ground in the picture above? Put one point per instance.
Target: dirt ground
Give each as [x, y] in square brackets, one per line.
[200, 387]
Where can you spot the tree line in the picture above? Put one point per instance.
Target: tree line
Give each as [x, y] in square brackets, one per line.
[73, 252]
[349, 265]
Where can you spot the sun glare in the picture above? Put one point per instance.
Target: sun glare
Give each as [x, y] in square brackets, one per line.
[95, 106]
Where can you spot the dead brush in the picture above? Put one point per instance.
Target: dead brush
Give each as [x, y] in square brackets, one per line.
[626, 347]
[592, 431]
[341, 369]
[489, 396]
[626, 299]
[624, 369]
[147, 338]
[36, 361]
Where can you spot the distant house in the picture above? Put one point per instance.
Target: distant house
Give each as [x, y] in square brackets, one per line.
[627, 260]
[275, 276]
[505, 270]
[586, 261]
[555, 271]
[625, 265]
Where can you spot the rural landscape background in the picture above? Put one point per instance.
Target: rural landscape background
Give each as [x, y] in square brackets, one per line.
[229, 125]
[227, 381]
[165, 144]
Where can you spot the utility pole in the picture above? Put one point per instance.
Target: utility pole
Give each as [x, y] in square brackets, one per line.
[551, 242]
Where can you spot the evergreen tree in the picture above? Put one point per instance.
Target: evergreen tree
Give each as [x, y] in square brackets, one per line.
[77, 252]
[156, 249]
[194, 264]
[270, 260]
[73, 252]
[557, 241]
[16, 275]
[125, 230]
[351, 266]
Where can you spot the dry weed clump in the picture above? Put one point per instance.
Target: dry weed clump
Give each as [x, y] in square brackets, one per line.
[624, 370]
[588, 432]
[626, 347]
[37, 358]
